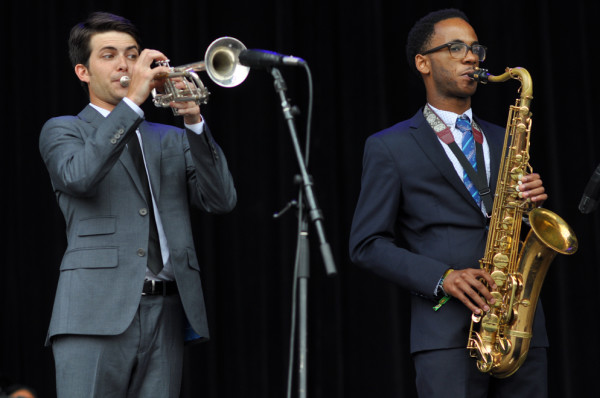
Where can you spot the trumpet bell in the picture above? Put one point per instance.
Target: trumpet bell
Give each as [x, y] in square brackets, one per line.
[222, 63]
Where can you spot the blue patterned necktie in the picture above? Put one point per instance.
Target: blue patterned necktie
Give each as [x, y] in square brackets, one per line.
[468, 147]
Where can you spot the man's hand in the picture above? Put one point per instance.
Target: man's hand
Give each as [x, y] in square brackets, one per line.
[188, 109]
[531, 187]
[144, 77]
[466, 285]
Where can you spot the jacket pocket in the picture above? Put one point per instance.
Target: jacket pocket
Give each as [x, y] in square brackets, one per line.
[97, 226]
[92, 257]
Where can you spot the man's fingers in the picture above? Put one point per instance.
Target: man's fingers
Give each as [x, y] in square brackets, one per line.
[467, 285]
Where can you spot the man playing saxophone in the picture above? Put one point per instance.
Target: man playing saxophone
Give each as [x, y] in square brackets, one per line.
[129, 292]
[422, 215]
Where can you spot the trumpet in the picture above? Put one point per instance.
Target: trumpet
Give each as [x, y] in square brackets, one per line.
[221, 63]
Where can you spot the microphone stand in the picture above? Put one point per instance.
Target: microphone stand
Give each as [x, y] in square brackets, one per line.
[316, 217]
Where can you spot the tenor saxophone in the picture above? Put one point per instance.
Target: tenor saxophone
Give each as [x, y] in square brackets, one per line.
[499, 339]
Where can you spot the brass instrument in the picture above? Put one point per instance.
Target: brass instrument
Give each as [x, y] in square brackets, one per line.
[500, 338]
[221, 63]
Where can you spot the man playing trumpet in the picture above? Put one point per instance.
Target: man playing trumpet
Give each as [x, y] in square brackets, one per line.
[129, 292]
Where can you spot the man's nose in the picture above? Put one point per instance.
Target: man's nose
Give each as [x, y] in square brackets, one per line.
[123, 62]
[471, 57]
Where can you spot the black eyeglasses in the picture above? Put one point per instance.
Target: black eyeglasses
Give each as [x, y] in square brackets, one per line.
[459, 50]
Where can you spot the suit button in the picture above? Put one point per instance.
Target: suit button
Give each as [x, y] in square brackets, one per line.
[113, 141]
[120, 131]
[143, 211]
[141, 252]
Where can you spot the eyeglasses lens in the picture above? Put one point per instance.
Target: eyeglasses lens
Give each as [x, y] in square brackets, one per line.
[460, 50]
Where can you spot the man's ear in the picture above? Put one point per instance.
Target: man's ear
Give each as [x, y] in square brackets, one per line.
[422, 63]
[82, 73]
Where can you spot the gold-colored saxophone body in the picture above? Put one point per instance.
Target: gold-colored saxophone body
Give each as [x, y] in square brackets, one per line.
[499, 339]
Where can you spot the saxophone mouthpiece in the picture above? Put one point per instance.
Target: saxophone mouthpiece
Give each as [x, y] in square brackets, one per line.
[480, 75]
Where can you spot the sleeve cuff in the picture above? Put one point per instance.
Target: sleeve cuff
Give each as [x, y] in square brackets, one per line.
[197, 128]
[134, 106]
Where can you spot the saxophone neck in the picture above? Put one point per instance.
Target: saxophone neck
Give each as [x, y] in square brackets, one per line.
[524, 77]
[482, 75]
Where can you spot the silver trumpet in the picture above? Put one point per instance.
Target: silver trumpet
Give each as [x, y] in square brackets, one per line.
[221, 63]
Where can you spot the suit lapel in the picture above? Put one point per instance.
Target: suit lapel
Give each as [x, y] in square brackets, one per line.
[495, 158]
[91, 116]
[129, 165]
[152, 153]
[431, 146]
[151, 146]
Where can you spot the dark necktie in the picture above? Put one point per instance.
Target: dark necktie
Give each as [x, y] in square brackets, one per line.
[155, 263]
[468, 147]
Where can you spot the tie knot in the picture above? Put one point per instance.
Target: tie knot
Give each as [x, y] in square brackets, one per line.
[463, 123]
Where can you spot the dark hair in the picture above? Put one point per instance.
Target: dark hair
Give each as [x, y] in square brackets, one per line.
[420, 34]
[97, 22]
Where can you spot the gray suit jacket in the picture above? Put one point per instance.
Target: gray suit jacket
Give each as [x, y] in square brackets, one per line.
[100, 195]
[415, 219]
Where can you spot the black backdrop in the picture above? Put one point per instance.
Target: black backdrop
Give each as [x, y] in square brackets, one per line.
[357, 322]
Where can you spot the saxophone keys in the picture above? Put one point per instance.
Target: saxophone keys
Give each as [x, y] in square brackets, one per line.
[507, 223]
[500, 260]
[516, 173]
[499, 277]
[503, 345]
[498, 299]
[490, 322]
[485, 366]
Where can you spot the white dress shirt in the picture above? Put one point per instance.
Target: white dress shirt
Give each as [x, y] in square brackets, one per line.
[449, 118]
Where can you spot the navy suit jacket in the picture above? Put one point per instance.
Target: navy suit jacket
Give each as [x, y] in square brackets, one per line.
[101, 197]
[415, 219]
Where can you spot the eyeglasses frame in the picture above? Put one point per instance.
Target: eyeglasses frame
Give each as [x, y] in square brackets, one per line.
[450, 43]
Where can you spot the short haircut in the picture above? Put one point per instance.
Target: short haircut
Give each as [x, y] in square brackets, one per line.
[97, 22]
[422, 31]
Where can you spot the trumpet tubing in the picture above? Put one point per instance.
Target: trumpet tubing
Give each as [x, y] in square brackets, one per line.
[221, 63]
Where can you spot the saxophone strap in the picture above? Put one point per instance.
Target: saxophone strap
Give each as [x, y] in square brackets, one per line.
[479, 177]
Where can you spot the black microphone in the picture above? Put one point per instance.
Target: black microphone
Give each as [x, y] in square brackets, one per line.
[264, 58]
[589, 200]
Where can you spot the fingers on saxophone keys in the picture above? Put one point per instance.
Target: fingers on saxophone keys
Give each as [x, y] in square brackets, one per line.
[474, 301]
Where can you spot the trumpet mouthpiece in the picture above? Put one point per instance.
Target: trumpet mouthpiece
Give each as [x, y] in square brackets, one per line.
[124, 81]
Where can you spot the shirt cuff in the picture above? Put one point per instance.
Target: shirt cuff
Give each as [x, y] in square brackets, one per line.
[439, 288]
[197, 128]
[134, 106]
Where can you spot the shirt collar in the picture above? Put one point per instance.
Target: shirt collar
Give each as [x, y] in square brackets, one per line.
[102, 111]
[450, 117]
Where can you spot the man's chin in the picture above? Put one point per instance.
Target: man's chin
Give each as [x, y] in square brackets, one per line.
[469, 90]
